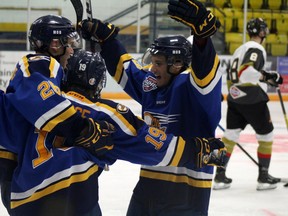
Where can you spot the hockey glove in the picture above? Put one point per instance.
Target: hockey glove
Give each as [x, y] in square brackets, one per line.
[272, 78]
[193, 14]
[210, 151]
[97, 30]
[96, 138]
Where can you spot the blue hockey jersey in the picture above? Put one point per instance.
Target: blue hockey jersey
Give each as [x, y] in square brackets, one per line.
[54, 180]
[189, 106]
[134, 140]
[33, 112]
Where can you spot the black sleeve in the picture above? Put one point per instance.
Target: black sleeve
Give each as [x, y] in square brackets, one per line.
[8, 163]
[254, 56]
[7, 168]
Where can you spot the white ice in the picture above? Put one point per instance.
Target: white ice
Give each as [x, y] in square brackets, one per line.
[241, 199]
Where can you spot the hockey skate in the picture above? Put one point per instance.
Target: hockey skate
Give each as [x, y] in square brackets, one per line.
[221, 181]
[266, 181]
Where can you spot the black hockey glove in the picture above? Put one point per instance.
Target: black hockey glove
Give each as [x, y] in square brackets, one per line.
[209, 151]
[97, 30]
[96, 138]
[194, 14]
[272, 78]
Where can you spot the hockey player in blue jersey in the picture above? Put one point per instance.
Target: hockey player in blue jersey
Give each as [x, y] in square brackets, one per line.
[133, 141]
[33, 111]
[8, 160]
[180, 93]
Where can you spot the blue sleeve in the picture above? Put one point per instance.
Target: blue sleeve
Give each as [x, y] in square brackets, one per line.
[204, 60]
[34, 92]
[134, 141]
[125, 70]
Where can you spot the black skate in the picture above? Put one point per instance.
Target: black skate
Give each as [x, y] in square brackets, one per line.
[221, 181]
[266, 181]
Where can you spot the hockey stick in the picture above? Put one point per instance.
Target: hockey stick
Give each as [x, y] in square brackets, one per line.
[282, 106]
[78, 7]
[284, 180]
[90, 17]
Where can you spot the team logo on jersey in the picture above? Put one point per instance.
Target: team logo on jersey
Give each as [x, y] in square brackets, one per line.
[151, 120]
[236, 92]
[149, 84]
[121, 108]
[159, 120]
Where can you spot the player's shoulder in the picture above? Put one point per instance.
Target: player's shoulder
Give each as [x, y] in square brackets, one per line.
[254, 46]
[119, 110]
[118, 107]
[249, 48]
[43, 64]
[121, 116]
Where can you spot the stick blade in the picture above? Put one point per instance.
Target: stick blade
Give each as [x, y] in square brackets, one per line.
[78, 7]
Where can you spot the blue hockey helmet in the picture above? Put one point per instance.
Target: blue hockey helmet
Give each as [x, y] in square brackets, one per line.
[86, 71]
[46, 28]
[170, 46]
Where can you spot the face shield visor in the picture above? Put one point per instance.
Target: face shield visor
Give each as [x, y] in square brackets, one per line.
[101, 85]
[72, 40]
[175, 60]
[146, 60]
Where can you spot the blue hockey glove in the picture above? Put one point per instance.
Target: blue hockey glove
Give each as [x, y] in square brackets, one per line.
[97, 30]
[193, 14]
[272, 78]
[209, 151]
[97, 137]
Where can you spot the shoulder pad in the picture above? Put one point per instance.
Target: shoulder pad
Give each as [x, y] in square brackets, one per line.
[44, 65]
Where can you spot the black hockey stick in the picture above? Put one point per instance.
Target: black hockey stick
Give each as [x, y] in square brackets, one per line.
[90, 17]
[78, 7]
[282, 106]
[285, 180]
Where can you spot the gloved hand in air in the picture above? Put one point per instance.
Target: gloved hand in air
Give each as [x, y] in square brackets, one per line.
[96, 138]
[273, 78]
[193, 14]
[209, 151]
[97, 30]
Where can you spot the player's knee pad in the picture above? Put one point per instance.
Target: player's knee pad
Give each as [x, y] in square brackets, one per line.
[232, 134]
[265, 137]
